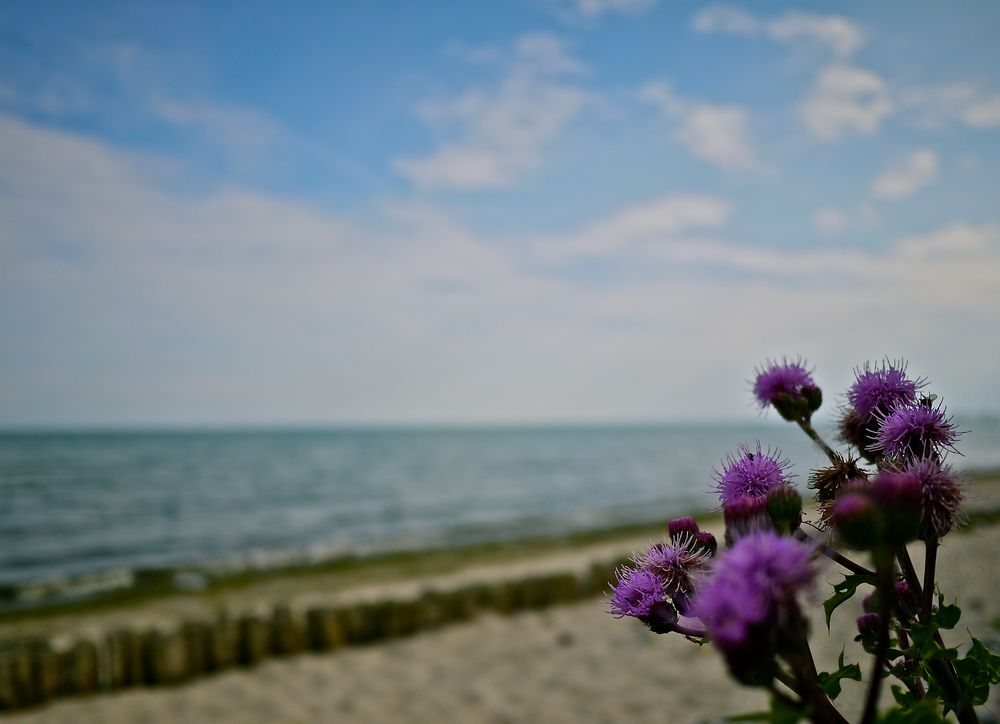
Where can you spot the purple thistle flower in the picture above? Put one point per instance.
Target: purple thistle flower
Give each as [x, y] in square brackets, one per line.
[753, 590]
[882, 387]
[777, 381]
[678, 567]
[636, 592]
[917, 430]
[941, 495]
[750, 474]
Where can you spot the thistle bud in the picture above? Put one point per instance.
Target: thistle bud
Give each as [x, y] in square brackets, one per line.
[813, 396]
[900, 499]
[906, 597]
[858, 521]
[784, 505]
[868, 629]
[706, 542]
[787, 386]
[869, 604]
[744, 516]
[680, 527]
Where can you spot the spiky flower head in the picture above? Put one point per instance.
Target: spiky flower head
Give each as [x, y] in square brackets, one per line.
[941, 496]
[917, 430]
[828, 481]
[637, 592]
[679, 566]
[750, 473]
[752, 592]
[881, 387]
[788, 386]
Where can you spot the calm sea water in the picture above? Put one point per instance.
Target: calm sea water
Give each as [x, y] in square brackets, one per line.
[81, 506]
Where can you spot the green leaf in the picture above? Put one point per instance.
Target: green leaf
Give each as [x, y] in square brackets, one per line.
[843, 591]
[924, 712]
[978, 671]
[830, 682]
[902, 696]
[947, 616]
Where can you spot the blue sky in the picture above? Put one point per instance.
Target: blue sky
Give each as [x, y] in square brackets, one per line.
[575, 210]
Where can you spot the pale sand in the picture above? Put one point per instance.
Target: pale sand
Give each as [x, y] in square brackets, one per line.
[569, 664]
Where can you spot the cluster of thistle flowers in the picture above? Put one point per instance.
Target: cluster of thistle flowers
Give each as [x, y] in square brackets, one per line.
[747, 598]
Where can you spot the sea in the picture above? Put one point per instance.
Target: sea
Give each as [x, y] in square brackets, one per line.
[82, 513]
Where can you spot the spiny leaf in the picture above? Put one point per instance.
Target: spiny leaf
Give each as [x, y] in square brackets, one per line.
[843, 591]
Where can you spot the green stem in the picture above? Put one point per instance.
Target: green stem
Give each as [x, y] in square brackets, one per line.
[930, 563]
[808, 429]
[832, 554]
[886, 594]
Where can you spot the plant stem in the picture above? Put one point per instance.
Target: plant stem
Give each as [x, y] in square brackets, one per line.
[886, 594]
[943, 671]
[787, 681]
[930, 563]
[808, 429]
[913, 682]
[832, 554]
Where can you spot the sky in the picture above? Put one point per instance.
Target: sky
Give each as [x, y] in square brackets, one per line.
[529, 211]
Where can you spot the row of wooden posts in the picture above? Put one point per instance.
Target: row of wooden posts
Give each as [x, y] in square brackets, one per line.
[35, 670]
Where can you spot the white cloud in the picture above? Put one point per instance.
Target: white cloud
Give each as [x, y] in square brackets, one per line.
[846, 100]
[840, 35]
[640, 227]
[239, 130]
[964, 103]
[954, 240]
[718, 134]
[983, 113]
[906, 178]
[831, 222]
[127, 299]
[598, 8]
[495, 136]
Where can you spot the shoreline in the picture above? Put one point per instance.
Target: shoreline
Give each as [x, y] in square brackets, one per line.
[186, 581]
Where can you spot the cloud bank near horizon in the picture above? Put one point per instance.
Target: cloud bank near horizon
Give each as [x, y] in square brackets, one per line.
[199, 259]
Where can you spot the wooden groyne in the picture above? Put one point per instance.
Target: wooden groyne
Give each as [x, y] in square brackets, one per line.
[37, 669]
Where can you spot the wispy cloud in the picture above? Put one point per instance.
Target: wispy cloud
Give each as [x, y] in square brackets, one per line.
[240, 130]
[638, 228]
[846, 100]
[838, 34]
[121, 290]
[598, 8]
[492, 137]
[963, 103]
[717, 134]
[907, 177]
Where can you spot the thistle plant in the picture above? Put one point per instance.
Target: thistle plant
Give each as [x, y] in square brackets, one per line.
[891, 487]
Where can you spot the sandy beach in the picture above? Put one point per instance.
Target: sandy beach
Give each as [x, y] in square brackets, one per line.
[569, 663]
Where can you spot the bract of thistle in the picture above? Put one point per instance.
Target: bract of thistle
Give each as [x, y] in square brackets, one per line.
[750, 473]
